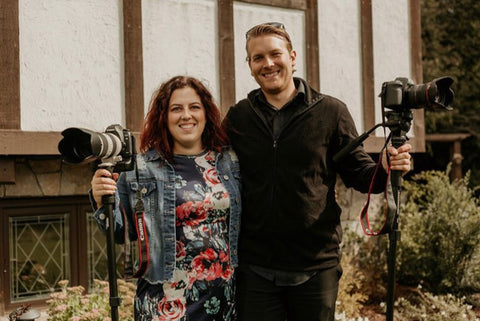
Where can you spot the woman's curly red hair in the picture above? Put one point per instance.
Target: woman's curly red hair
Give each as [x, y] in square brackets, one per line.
[155, 133]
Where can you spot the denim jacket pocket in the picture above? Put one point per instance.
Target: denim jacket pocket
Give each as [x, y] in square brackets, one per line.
[146, 191]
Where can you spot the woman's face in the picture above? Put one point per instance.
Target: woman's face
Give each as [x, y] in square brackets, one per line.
[186, 121]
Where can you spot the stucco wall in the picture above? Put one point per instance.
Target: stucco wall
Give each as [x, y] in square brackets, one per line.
[71, 53]
[71, 64]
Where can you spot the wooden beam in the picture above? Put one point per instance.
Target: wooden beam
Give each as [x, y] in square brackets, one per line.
[288, 4]
[416, 40]
[9, 65]
[417, 69]
[133, 53]
[18, 142]
[446, 138]
[311, 38]
[226, 54]
[368, 79]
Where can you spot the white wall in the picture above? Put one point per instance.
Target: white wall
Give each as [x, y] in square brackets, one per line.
[71, 53]
[340, 56]
[71, 64]
[391, 34]
[179, 37]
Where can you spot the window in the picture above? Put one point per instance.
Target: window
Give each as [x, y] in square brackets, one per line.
[44, 241]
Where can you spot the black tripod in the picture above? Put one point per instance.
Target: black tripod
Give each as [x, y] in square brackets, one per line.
[109, 204]
[399, 123]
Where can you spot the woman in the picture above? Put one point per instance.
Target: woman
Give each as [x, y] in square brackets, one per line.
[188, 183]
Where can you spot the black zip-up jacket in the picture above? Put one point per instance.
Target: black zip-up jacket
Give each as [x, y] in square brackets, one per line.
[290, 219]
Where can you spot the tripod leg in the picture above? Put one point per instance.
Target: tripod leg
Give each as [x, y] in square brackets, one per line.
[109, 201]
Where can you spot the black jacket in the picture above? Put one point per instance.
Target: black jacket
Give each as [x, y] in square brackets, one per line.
[290, 218]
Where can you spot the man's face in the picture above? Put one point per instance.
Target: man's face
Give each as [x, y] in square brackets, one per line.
[271, 64]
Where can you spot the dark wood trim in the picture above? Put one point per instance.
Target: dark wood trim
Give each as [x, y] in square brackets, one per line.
[226, 54]
[133, 52]
[311, 39]
[417, 70]
[9, 65]
[416, 40]
[17, 142]
[288, 4]
[446, 138]
[456, 157]
[368, 78]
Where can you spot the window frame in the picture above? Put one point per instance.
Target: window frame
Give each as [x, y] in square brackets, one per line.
[76, 207]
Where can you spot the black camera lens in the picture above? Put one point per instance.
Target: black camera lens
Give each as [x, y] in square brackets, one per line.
[431, 94]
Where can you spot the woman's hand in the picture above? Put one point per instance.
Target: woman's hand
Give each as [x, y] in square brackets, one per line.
[103, 184]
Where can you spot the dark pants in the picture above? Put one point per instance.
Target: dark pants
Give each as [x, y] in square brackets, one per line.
[261, 300]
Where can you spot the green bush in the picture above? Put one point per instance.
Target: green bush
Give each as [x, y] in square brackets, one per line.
[418, 305]
[72, 305]
[440, 222]
[350, 295]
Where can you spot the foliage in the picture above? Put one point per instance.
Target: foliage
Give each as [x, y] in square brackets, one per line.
[437, 263]
[419, 305]
[439, 221]
[72, 305]
[350, 296]
[369, 255]
[451, 46]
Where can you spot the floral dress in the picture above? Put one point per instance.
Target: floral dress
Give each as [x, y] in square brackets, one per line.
[203, 284]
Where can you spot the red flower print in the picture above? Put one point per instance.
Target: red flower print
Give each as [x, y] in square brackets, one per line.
[208, 265]
[223, 256]
[198, 214]
[209, 157]
[183, 211]
[212, 176]
[227, 274]
[171, 309]
[180, 249]
[191, 214]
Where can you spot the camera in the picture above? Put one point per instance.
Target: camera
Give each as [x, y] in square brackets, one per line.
[402, 94]
[115, 147]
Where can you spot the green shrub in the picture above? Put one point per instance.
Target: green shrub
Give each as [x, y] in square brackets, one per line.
[418, 305]
[369, 256]
[440, 223]
[350, 290]
[71, 304]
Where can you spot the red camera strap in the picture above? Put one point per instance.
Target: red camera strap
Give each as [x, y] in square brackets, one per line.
[389, 210]
[142, 243]
[142, 239]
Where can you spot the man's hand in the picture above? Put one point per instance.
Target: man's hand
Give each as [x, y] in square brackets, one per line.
[400, 159]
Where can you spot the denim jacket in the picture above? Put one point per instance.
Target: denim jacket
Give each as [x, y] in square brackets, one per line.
[156, 181]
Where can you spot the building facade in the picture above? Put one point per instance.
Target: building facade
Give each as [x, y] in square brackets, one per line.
[91, 64]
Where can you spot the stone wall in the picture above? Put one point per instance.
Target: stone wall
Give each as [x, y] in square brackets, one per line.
[46, 176]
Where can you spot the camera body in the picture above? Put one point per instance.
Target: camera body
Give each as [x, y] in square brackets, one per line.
[114, 148]
[401, 94]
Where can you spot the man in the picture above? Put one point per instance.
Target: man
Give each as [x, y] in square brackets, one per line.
[285, 134]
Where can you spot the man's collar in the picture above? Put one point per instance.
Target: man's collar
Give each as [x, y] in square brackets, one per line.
[299, 86]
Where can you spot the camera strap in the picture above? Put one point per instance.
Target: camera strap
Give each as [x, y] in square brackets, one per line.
[142, 239]
[390, 206]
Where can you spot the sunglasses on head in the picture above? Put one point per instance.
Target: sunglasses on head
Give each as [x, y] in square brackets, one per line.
[273, 24]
